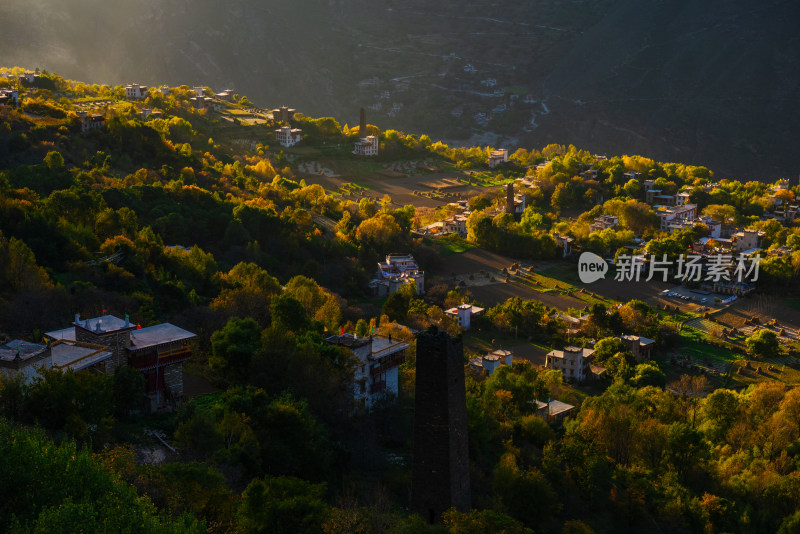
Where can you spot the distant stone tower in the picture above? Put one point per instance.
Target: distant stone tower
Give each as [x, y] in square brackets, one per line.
[362, 125]
[510, 198]
[440, 474]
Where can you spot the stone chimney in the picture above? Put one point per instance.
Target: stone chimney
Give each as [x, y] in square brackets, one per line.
[362, 126]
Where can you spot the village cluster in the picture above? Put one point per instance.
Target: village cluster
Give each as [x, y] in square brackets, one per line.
[102, 344]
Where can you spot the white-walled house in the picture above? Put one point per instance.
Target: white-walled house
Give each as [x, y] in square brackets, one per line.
[492, 361]
[288, 136]
[496, 157]
[463, 314]
[396, 272]
[135, 90]
[377, 375]
[366, 146]
[573, 362]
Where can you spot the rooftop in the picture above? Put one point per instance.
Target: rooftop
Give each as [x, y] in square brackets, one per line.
[77, 356]
[642, 340]
[585, 353]
[25, 349]
[381, 346]
[554, 407]
[473, 309]
[158, 335]
[499, 353]
[558, 408]
[104, 324]
[64, 333]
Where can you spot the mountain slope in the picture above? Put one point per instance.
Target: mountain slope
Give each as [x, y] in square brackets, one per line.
[711, 83]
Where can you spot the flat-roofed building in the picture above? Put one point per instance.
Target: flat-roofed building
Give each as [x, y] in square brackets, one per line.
[604, 221]
[283, 114]
[748, 239]
[492, 361]
[573, 362]
[366, 146]
[463, 314]
[496, 157]
[9, 97]
[28, 359]
[288, 136]
[377, 375]
[397, 271]
[91, 121]
[135, 90]
[639, 346]
[553, 411]
[158, 352]
[668, 214]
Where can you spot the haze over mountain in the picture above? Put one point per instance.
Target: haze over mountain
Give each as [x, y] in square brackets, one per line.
[713, 83]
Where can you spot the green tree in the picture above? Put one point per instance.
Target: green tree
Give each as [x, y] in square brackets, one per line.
[61, 488]
[287, 312]
[54, 160]
[607, 347]
[763, 344]
[481, 522]
[648, 374]
[720, 213]
[516, 488]
[362, 328]
[128, 387]
[531, 220]
[396, 307]
[278, 505]
[247, 292]
[233, 347]
[633, 188]
[719, 410]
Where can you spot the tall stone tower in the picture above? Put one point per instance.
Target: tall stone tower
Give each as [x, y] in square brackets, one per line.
[510, 198]
[362, 125]
[440, 474]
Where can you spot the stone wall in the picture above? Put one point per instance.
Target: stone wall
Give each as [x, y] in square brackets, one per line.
[173, 380]
[115, 341]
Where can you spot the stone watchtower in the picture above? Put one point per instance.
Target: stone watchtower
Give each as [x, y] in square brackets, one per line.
[362, 124]
[440, 473]
[510, 198]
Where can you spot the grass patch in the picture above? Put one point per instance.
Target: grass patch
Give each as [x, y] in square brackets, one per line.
[781, 373]
[692, 345]
[450, 245]
[354, 186]
[547, 284]
[481, 342]
[488, 179]
[541, 346]
[564, 272]
[207, 401]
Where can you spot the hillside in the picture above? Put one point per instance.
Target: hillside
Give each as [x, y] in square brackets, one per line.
[169, 206]
[706, 83]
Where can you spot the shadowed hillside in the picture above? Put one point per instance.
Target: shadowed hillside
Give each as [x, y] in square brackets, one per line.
[711, 83]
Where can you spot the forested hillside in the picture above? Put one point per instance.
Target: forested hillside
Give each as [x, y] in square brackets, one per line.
[200, 218]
